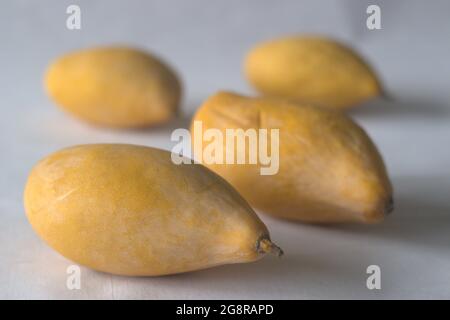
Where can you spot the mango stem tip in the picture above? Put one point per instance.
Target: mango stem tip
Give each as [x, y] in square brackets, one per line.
[264, 245]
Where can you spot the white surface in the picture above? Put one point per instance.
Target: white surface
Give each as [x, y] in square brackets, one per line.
[206, 40]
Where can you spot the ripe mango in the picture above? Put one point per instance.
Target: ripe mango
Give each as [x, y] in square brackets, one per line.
[128, 210]
[310, 69]
[114, 86]
[329, 169]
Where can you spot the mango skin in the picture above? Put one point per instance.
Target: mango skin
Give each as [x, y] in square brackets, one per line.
[329, 169]
[311, 69]
[114, 86]
[129, 210]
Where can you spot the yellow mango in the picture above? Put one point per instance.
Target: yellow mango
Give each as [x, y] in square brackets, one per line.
[114, 86]
[311, 69]
[128, 210]
[329, 169]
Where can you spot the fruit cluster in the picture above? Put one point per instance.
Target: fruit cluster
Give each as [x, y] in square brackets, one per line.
[129, 210]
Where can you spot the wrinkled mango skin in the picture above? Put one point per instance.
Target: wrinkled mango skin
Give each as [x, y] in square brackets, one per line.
[329, 169]
[311, 69]
[128, 210]
[114, 86]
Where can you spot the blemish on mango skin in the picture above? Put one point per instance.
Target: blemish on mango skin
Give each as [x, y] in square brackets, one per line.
[311, 69]
[114, 86]
[128, 210]
[329, 169]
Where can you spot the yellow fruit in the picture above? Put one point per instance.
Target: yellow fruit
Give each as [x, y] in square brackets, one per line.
[311, 70]
[114, 86]
[129, 210]
[329, 169]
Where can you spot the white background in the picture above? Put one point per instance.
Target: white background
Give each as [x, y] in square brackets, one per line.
[205, 40]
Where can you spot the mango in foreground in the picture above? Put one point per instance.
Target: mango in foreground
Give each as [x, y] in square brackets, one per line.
[128, 210]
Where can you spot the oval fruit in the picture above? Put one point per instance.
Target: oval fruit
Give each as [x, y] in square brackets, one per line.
[329, 170]
[114, 86]
[311, 69]
[129, 210]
